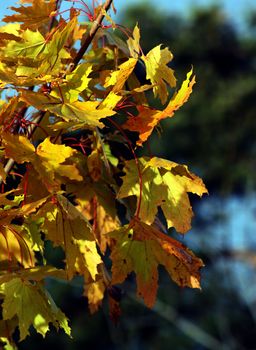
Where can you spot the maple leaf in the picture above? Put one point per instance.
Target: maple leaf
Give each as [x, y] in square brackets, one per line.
[134, 42]
[59, 39]
[119, 77]
[47, 159]
[164, 184]
[151, 191]
[142, 248]
[9, 32]
[65, 226]
[7, 110]
[94, 291]
[110, 101]
[81, 113]
[23, 76]
[33, 17]
[33, 45]
[48, 54]
[15, 245]
[158, 72]
[15, 241]
[76, 82]
[96, 201]
[148, 118]
[33, 306]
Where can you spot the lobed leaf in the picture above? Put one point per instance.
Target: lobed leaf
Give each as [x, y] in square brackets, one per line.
[33, 306]
[142, 248]
[148, 118]
[164, 184]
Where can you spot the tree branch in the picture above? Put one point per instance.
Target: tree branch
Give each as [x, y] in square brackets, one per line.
[96, 25]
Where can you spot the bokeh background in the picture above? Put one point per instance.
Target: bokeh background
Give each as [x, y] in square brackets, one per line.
[215, 134]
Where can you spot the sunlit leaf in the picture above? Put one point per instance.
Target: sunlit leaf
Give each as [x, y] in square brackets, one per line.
[148, 118]
[47, 158]
[33, 306]
[158, 71]
[164, 184]
[118, 78]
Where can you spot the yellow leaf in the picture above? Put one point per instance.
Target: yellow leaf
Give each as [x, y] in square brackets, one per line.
[81, 113]
[134, 43]
[36, 273]
[110, 101]
[2, 172]
[7, 110]
[158, 72]
[15, 245]
[65, 226]
[164, 184]
[151, 190]
[94, 291]
[47, 159]
[119, 77]
[94, 165]
[97, 202]
[77, 81]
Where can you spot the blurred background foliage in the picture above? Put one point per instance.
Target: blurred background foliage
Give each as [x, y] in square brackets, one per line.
[214, 133]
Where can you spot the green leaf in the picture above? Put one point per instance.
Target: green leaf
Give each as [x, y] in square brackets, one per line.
[76, 82]
[164, 184]
[141, 248]
[33, 45]
[33, 306]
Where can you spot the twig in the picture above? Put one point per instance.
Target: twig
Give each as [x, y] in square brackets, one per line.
[96, 25]
[57, 6]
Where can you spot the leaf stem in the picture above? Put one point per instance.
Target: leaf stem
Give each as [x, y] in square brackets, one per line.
[136, 162]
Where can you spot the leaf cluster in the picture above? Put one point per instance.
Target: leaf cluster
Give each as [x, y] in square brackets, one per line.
[69, 122]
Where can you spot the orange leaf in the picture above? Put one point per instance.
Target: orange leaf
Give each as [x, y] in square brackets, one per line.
[34, 16]
[148, 118]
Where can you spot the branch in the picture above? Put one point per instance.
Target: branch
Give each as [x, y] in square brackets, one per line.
[96, 25]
